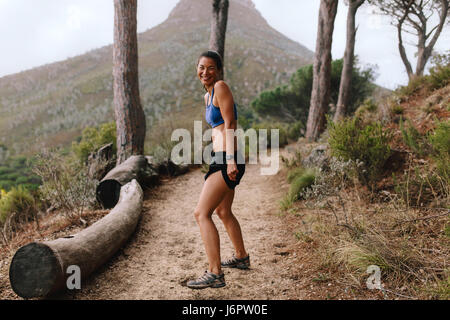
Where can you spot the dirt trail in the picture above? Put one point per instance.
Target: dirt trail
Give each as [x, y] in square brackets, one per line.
[167, 250]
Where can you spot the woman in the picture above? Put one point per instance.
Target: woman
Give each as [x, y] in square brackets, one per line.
[226, 170]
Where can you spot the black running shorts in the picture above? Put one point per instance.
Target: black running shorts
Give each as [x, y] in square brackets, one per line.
[219, 163]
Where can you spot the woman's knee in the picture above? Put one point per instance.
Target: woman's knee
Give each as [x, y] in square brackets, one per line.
[223, 214]
[201, 215]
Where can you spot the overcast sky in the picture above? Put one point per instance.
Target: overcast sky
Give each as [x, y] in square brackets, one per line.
[34, 33]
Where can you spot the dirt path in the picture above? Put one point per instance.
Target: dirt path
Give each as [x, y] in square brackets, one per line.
[166, 249]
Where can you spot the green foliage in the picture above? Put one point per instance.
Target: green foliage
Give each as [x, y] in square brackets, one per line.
[282, 133]
[246, 117]
[367, 111]
[413, 139]
[93, 138]
[295, 130]
[294, 173]
[279, 103]
[440, 72]
[397, 109]
[16, 171]
[369, 143]
[300, 180]
[438, 78]
[290, 102]
[18, 201]
[440, 143]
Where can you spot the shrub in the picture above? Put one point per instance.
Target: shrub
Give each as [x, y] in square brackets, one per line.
[300, 182]
[295, 130]
[440, 73]
[92, 139]
[66, 184]
[300, 179]
[440, 143]
[18, 204]
[421, 185]
[413, 139]
[397, 109]
[439, 77]
[294, 173]
[368, 106]
[370, 144]
[269, 126]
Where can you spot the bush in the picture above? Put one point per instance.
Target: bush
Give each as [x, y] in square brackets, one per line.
[370, 144]
[440, 143]
[438, 78]
[440, 73]
[18, 205]
[92, 139]
[295, 130]
[294, 173]
[66, 184]
[300, 182]
[269, 126]
[300, 179]
[413, 139]
[16, 171]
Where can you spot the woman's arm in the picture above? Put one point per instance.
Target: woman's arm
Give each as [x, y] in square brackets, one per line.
[226, 105]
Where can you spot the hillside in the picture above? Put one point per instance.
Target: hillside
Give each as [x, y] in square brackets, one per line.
[50, 105]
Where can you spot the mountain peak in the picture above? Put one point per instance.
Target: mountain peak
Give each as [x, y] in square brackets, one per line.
[246, 3]
[194, 9]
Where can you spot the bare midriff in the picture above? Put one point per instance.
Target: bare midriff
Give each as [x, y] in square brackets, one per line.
[219, 139]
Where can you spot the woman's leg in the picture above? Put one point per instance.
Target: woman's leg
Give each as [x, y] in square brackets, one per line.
[231, 224]
[213, 192]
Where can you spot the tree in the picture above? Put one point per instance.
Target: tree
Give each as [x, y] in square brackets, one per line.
[130, 117]
[321, 70]
[346, 77]
[415, 17]
[290, 102]
[219, 26]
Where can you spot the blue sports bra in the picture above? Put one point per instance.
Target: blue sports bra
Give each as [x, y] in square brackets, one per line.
[213, 115]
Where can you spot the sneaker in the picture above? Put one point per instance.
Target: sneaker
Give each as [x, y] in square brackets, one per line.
[243, 263]
[207, 280]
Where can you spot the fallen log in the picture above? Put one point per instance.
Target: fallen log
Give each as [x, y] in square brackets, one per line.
[40, 269]
[135, 167]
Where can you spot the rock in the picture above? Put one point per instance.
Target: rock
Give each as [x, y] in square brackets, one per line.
[318, 158]
[101, 162]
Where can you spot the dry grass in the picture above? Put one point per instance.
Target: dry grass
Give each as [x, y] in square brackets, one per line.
[349, 233]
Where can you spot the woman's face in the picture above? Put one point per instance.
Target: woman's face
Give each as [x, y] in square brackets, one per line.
[207, 71]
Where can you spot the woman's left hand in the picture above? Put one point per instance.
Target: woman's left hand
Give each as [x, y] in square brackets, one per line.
[232, 171]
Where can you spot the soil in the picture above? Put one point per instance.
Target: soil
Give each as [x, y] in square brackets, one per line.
[166, 250]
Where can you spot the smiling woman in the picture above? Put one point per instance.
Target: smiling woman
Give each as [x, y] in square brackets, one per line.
[225, 173]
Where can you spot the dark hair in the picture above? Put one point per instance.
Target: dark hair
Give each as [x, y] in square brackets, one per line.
[213, 55]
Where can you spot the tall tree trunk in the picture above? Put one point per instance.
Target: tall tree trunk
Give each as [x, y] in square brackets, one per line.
[401, 47]
[130, 117]
[424, 51]
[219, 26]
[347, 69]
[320, 94]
